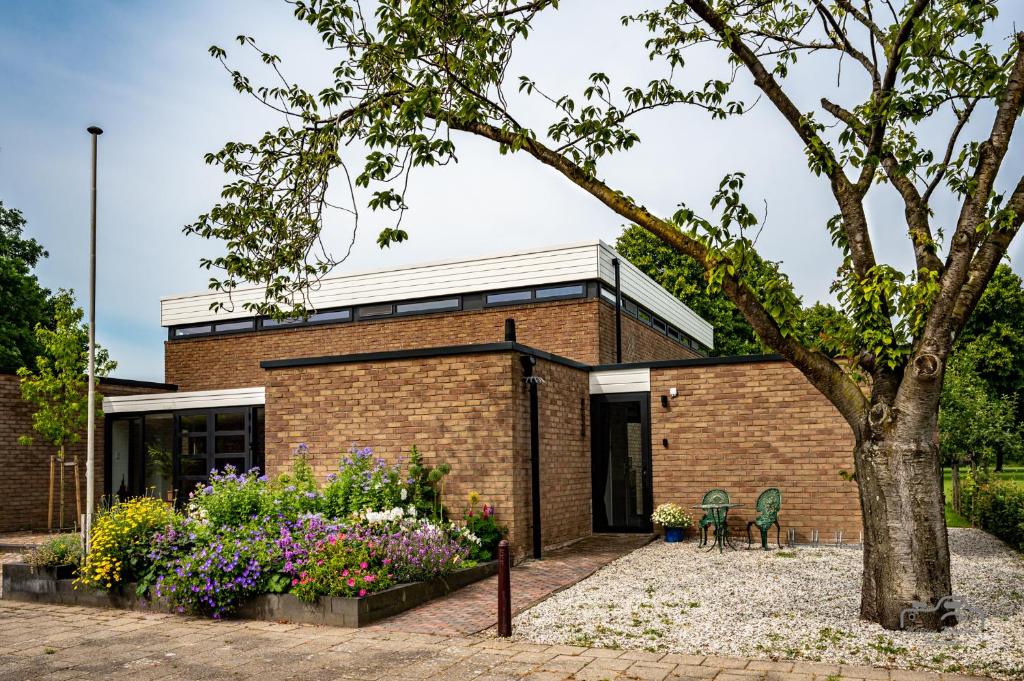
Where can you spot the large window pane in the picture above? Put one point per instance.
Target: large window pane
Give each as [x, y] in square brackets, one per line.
[159, 459]
[120, 455]
[559, 292]
[229, 421]
[193, 423]
[229, 444]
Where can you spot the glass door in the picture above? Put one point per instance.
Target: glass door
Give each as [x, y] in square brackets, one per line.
[621, 462]
[212, 439]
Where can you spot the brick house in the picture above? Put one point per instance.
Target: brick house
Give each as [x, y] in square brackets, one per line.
[563, 384]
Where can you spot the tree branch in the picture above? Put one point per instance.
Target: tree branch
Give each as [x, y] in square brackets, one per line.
[819, 368]
[975, 209]
[866, 21]
[854, 220]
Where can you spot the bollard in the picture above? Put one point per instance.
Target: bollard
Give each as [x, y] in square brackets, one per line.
[504, 591]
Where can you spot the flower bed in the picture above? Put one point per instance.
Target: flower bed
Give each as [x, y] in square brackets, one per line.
[247, 543]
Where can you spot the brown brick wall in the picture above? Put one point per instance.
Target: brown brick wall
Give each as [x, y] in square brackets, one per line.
[24, 470]
[566, 328]
[564, 456]
[455, 409]
[640, 343]
[745, 427]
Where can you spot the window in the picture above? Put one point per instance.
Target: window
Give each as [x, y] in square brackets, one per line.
[316, 318]
[660, 325]
[608, 295]
[331, 316]
[428, 306]
[183, 331]
[643, 315]
[559, 292]
[630, 307]
[507, 297]
[243, 325]
[376, 310]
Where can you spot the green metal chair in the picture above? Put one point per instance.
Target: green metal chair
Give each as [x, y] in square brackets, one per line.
[713, 496]
[768, 504]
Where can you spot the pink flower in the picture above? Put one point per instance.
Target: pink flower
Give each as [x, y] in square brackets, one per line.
[351, 582]
[363, 565]
[295, 582]
[362, 592]
[344, 573]
[368, 578]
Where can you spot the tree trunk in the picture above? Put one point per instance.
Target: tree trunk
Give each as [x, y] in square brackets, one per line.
[957, 505]
[906, 548]
[999, 460]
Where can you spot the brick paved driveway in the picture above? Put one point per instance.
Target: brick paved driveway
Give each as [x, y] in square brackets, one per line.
[56, 642]
[474, 608]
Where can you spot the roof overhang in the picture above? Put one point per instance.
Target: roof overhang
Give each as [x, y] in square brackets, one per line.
[179, 401]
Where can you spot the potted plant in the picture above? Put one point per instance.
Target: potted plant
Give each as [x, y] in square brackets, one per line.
[674, 519]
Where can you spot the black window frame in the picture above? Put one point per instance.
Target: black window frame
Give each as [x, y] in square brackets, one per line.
[396, 312]
[582, 286]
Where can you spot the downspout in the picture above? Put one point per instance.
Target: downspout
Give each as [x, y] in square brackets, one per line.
[528, 363]
[618, 312]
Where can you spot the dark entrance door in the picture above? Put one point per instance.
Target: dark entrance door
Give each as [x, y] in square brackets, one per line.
[212, 439]
[621, 455]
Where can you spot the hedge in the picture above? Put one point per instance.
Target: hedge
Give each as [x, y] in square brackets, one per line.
[996, 506]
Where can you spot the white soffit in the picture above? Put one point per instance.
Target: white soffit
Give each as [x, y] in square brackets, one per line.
[620, 381]
[199, 399]
[537, 267]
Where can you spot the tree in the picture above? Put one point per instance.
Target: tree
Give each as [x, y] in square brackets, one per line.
[995, 335]
[58, 388]
[412, 78]
[975, 423]
[23, 302]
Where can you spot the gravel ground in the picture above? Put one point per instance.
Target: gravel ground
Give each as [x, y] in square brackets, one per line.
[793, 604]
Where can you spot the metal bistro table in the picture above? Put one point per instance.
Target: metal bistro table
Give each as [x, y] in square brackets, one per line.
[719, 513]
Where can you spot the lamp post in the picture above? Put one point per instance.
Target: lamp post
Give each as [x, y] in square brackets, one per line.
[90, 451]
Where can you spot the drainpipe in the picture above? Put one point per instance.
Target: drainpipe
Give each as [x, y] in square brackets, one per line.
[618, 312]
[528, 362]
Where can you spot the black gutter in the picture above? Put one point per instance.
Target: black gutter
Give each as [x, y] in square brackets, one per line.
[618, 312]
[691, 362]
[531, 380]
[132, 383]
[418, 353]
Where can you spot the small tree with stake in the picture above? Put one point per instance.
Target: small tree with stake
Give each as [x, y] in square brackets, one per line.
[59, 386]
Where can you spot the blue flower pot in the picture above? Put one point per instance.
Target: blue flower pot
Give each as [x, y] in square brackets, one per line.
[674, 534]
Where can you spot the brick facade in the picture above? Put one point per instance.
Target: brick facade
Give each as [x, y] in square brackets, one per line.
[564, 411]
[471, 411]
[24, 484]
[747, 426]
[581, 330]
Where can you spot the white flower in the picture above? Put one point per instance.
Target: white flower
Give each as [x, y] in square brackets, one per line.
[374, 517]
[411, 511]
[405, 494]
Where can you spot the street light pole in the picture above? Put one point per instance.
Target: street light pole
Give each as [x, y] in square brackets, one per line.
[90, 452]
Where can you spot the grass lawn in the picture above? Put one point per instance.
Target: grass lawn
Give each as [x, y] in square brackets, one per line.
[954, 519]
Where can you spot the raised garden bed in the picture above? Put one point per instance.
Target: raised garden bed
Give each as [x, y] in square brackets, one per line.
[23, 582]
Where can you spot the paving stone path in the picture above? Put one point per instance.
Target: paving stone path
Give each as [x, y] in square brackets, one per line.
[56, 642]
[474, 608]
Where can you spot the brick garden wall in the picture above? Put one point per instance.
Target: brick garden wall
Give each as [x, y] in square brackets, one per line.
[640, 343]
[24, 470]
[566, 328]
[564, 456]
[744, 427]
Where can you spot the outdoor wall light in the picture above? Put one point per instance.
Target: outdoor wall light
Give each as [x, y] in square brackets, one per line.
[664, 401]
[673, 393]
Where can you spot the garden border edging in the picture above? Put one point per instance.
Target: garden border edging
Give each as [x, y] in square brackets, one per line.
[23, 582]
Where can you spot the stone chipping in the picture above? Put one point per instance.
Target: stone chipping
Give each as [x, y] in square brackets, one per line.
[796, 604]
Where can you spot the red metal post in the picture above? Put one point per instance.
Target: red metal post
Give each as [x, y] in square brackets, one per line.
[504, 591]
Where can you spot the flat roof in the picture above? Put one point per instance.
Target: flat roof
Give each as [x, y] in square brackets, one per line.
[587, 261]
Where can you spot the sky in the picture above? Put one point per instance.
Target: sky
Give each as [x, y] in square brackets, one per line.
[140, 70]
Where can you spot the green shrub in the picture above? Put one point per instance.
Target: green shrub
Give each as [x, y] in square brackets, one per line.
[996, 506]
[64, 549]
